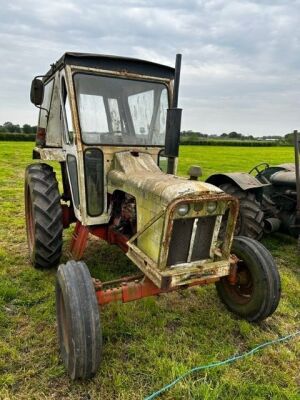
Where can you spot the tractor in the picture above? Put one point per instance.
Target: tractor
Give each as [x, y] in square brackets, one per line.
[269, 201]
[113, 124]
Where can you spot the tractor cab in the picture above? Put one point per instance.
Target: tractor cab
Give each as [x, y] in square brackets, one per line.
[93, 107]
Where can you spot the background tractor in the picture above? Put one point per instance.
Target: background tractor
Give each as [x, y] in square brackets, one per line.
[113, 123]
[269, 201]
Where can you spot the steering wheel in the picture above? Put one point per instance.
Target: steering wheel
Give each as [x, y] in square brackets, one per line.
[259, 170]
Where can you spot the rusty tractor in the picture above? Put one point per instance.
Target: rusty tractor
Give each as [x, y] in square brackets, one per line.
[269, 197]
[113, 124]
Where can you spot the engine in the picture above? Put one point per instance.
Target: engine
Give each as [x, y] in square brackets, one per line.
[123, 213]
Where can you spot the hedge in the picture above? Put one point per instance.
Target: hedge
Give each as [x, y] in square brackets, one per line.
[18, 137]
[239, 143]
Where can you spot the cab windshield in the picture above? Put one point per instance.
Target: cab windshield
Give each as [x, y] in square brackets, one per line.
[121, 111]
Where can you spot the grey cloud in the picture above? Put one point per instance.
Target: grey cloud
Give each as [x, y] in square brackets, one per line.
[240, 57]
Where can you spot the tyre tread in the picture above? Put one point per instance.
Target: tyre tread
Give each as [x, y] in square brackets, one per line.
[47, 215]
[75, 284]
[251, 214]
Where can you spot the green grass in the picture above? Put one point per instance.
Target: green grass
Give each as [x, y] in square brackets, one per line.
[150, 342]
[226, 159]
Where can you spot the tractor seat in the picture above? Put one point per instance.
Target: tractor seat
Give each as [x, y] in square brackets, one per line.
[283, 178]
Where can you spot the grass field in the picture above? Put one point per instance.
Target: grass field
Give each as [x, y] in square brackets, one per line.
[147, 343]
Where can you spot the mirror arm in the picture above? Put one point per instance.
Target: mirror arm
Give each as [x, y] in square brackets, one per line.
[45, 109]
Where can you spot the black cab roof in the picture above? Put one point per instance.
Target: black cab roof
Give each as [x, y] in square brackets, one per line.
[114, 63]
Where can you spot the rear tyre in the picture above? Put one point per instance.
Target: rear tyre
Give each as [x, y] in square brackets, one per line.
[43, 215]
[78, 320]
[256, 293]
[250, 220]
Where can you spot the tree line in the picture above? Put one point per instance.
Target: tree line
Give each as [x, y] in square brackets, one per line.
[9, 127]
[198, 136]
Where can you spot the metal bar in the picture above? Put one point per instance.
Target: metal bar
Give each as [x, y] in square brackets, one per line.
[100, 285]
[79, 240]
[215, 236]
[145, 227]
[192, 239]
[171, 165]
[130, 291]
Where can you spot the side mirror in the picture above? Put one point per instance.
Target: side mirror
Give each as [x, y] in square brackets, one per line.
[37, 92]
[173, 132]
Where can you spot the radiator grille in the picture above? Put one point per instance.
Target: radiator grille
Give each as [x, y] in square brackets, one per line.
[203, 237]
[191, 239]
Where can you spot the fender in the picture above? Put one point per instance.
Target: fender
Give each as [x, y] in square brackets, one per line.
[242, 179]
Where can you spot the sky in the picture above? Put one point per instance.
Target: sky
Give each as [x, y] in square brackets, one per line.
[240, 66]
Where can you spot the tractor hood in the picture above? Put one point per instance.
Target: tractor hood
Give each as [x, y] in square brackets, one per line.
[138, 175]
[286, 178]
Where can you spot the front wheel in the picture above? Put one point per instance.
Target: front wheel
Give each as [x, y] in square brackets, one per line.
[256, 293]
[78, 320]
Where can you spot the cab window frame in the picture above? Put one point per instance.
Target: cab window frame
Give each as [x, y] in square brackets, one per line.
[127, 110]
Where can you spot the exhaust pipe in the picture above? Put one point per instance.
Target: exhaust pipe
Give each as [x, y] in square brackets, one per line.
[272, 225]
[173, 122]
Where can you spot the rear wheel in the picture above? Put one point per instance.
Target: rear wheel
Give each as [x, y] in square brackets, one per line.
[256, 293]
[78, 320]
[250, 220]
[43, 215]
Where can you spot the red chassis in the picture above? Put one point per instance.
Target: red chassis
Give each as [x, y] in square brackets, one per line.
[127, 288]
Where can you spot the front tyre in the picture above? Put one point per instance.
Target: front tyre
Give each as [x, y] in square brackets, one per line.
[78, 320]
[256, 293]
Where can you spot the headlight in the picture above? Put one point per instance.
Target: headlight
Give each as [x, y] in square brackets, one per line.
[183, 209]
[211, 206]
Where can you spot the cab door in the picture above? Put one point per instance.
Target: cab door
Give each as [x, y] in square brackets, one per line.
[69, 146]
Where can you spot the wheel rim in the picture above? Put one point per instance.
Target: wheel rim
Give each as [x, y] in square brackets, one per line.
[243, 289]
[29, 222]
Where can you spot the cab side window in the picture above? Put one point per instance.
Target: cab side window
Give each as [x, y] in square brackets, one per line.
[68, 126]
[45, 110]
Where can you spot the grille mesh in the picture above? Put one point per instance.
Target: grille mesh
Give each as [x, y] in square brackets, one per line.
[180, 241]
[186, 245]
[203, 237]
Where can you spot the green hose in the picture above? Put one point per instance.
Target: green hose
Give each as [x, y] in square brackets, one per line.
[220, 363]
